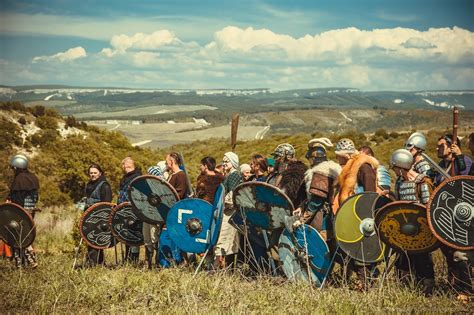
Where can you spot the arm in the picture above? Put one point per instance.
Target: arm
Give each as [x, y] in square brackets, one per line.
[367, 178]
[105, 193]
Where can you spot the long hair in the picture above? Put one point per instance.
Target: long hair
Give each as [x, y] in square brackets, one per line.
[260, 161]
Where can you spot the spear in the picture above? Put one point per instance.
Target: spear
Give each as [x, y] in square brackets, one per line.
[233, 131]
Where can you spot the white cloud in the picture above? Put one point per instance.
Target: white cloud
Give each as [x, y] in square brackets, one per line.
[68, 55]
[141, 41]
[343, 46]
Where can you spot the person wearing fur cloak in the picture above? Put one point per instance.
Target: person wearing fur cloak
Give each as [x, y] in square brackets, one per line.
[358, 174]
[289, 173]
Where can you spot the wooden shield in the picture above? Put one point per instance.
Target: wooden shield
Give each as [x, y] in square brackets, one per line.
[262, 204]
[403, 225]
[355, 228]
[151, 198]
[304, 251]
[17, 228]
[450, 212]
[94, 226]
[126, 227]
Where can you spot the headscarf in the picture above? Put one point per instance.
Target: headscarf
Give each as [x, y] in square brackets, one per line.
[234, 159]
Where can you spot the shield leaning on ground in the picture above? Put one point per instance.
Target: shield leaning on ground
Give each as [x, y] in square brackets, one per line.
[125, 225]
[403, 225]
[194, 224]
[262, 204]
[17, 227]
[355, 229]
[151, 198]
[450, 212]
[302, 251]
[94, 226]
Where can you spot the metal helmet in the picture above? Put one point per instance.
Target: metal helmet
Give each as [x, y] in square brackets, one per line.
[345, 146]
[19, 161]
[284, 150]
[401, 158]
[416, 140]
[317, 147]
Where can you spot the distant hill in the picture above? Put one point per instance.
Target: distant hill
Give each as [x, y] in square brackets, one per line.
[72, 100]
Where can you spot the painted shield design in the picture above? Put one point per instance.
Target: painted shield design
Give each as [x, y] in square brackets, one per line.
[262, 204]
[151, 198]
[94, 226]
[403, 225]
[189, 224]
[355, 228]
[450, 212]
[302, 251]
[194, 224]
[17, 228]
[125, 225]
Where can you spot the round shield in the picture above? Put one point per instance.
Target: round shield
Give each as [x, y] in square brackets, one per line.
[403, 225]
[125, 225]
[302, 251]
[262, 204]
[218, 214]
[189, 224]
[355, 229]
[94, 226]
[450, 212]
[151, 198]
[17, 228]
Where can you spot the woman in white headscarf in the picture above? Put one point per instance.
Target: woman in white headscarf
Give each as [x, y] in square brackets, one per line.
[228, 243]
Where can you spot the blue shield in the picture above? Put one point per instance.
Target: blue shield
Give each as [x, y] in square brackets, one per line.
[302, 251]
[169, 253]
[194, 224]
[262, 204]
[151, 198]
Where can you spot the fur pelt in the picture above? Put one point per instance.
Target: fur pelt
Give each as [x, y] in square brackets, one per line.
[348, 176]
[292, 179]
[327, 168]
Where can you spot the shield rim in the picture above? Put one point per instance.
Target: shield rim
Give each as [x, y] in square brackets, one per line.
[115, 235]
[255, 183]
[428, 212]
[33, 229]
[374, 212]
[382, 238]
[90, 209]
[218, 216]
[135, 209]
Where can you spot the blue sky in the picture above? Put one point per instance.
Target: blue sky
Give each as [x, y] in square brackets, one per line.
[371, 45]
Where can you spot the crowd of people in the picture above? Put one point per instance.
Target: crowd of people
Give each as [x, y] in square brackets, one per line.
[316, 192]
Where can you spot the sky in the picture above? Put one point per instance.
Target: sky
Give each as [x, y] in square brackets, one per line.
[370, 45]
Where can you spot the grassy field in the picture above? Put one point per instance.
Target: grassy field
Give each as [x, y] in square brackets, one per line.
[55, 287]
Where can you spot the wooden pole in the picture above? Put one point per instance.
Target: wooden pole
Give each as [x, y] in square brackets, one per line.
[233, 131]
[455, 137]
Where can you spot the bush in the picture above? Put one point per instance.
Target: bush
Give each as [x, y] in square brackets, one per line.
[9, 134]
[46, 122]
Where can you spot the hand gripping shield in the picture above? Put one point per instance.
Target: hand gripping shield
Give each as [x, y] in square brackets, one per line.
[94, 226]
[304, 251]
[262, 204]
[194, 224]
[355, 229]
[403, 225]
[125, 225]
[151, 198]
[17, 228]
[450, 212]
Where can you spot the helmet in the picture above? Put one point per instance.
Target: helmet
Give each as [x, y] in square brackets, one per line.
[416, 140]
[317, 147]
[284, 150]
[345, 146]
[19, 161]
[401, 158]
